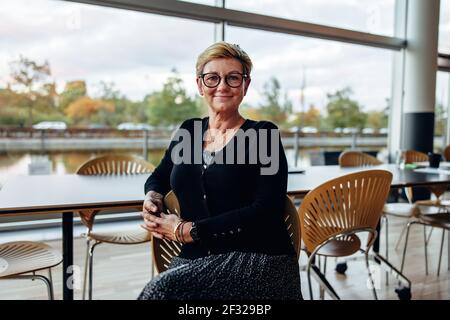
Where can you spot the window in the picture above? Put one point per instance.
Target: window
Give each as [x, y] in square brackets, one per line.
[361, 15]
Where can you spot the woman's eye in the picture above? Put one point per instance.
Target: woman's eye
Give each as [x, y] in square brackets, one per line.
[212, 78]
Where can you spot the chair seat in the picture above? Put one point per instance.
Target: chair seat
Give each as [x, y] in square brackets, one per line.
[25, 256]
[440, 220]
[404, 210]
[122, 237]
[341, 247]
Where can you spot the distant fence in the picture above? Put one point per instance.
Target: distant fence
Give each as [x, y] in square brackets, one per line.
[80, 133]
[23, 139]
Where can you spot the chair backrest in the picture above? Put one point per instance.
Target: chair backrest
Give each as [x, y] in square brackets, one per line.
[357, 159]
[343, 205]
[114, 164]
[411, 156]
[447, 153]
[165, 250]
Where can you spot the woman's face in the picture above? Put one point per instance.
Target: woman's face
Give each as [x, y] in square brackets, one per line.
[223, 98]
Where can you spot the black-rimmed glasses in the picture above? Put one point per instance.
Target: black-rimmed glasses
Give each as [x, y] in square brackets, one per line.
[233, 80]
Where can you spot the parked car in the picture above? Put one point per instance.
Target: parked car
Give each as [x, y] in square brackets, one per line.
[350, 130]
[337, 130]
[384, 131]
[309, 130]
[57, 125]
[134, 126]
[368, 131]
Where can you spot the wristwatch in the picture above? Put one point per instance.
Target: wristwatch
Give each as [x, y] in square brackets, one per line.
[193, 232]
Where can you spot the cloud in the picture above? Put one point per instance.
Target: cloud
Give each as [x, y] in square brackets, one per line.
[137, 50]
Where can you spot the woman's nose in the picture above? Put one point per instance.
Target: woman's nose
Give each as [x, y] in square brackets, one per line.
[223, 86]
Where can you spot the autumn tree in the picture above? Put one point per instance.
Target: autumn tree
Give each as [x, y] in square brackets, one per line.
[310, 118]
[73, 90]
[27, 76]
[85, 108]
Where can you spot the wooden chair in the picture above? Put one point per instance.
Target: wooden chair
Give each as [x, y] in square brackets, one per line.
[357, 159]
[447, 153]
[22, 259]
[165, 250]
[334, 213]
[110, 165]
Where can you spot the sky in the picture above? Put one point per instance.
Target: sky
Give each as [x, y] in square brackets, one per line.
[137, 51]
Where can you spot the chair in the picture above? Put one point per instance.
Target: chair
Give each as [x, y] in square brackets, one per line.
[110, 165]
[447, 153]
[411, 209]
[21, 257]
[334, 213]
[438, 220]
[357, 159]
[165, 250]
[349, 159]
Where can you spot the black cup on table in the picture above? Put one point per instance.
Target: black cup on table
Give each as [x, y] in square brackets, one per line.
[434, 159]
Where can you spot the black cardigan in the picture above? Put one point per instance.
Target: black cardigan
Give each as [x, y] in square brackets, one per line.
[235, 207]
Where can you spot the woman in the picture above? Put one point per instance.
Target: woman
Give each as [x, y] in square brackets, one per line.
[235, 241]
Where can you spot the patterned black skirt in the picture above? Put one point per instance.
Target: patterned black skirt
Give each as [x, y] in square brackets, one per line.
[229, 276]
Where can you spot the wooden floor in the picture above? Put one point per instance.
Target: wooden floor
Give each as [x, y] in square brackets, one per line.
[120, 272]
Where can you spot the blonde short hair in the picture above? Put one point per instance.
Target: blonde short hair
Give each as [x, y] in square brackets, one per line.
[224, 50]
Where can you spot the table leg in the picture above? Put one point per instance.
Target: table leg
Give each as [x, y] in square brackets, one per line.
[67, 255]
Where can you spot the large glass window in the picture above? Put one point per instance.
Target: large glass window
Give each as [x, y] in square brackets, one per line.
[318, 84]
[444, 27]
[97, 67]
[441, 110]
[362, 15]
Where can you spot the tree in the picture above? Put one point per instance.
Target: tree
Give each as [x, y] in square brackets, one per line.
[26, 75]
[73, 90]
[83, 109]
[310, 118]
[343, 111]
[275, 108]
[171, 105]
[377, 119]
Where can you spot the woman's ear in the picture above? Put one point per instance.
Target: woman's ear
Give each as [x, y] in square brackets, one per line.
[246, 85]
[200, 87]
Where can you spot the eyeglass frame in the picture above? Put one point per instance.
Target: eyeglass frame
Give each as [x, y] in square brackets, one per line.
[243, 75]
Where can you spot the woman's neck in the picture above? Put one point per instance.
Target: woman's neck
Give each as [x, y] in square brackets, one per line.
[221, 122]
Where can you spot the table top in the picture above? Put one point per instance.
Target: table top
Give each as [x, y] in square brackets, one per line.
[302, 183]
[63, 193]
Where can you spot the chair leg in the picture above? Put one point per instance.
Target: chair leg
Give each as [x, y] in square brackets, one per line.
[308, 272]
[374, 290]
[386, 239]
[91, 267]
[86, 266]
[440, 252]
[401, 236]
[406, 244]
[426, 249]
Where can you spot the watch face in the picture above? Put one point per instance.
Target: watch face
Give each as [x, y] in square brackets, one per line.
[193, 232]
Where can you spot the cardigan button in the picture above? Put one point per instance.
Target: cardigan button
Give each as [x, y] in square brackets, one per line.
[204, 196]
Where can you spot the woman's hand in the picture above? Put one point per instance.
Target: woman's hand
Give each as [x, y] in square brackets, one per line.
[161, 227]
[153, 203]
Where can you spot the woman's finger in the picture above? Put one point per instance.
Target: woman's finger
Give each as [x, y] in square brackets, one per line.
[158, 235]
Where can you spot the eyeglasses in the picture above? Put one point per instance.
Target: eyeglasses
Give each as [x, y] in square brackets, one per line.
[233, 80]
